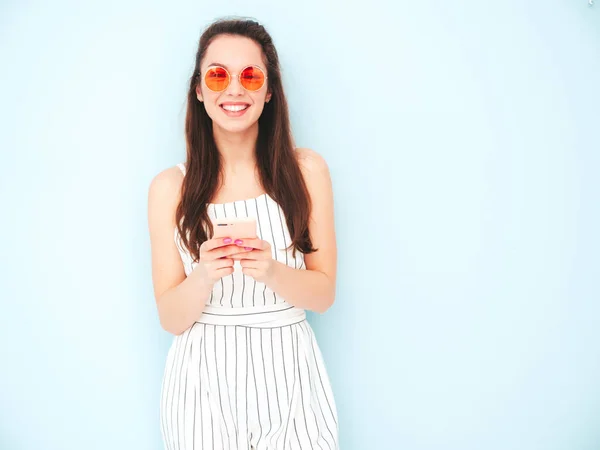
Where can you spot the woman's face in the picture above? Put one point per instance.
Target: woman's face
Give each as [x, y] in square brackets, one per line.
[234, 53]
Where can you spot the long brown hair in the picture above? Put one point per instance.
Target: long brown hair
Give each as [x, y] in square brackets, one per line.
[278, 166]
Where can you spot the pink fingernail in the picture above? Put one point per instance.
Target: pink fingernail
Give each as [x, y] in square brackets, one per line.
[248, 248]
[227, 240]
[239, 241]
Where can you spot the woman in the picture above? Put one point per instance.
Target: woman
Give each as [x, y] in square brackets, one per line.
[244, 370]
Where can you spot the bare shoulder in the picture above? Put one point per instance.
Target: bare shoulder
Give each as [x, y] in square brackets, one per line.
[315, 171]
[311, 162]
[166, 184]
[164, 192]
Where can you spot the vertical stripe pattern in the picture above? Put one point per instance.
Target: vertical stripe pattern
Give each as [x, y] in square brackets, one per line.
[238, 290]
[244, 386]
[232, 387]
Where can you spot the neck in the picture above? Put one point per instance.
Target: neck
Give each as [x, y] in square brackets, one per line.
[238, 150]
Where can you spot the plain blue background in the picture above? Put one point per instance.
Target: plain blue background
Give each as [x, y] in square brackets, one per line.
[463, 138]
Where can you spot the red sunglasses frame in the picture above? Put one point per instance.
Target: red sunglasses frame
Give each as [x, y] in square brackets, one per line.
[239, 76]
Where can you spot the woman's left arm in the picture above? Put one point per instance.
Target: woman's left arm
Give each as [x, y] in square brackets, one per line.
[312, 288]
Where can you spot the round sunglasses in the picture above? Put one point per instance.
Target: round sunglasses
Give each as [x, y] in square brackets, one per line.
[217, 78]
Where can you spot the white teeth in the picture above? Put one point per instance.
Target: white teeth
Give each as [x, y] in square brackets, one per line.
[234, 108]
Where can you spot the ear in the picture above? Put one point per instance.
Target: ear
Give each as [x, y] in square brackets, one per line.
[268, 97]
[199, 93]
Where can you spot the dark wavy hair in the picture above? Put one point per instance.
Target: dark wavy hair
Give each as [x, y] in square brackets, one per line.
[278, 166]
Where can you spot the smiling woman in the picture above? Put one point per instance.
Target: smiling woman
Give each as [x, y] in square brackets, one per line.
[238, 87]
[244, 370]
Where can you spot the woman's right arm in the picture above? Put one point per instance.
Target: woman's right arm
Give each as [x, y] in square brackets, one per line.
[180, 300]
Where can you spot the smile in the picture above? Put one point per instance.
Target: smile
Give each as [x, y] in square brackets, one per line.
[234, 110]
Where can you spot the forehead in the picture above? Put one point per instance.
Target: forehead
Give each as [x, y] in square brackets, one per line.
[233, 52]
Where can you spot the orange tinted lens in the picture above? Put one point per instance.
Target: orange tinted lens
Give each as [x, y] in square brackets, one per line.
[216, 79]
[252, 78]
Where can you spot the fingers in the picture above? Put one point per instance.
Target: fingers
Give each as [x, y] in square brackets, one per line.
[253, 263]
[251, 272]
[248, 264]
[256, 254]
[243, 255]
[255, 243]
[218, 256]
[220, 273]
[217, 248]
[253, 255]
[211, 244]
[221, 263]
[222, 252]
[217, 268]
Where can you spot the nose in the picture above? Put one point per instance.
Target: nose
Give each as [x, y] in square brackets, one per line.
[235, 88]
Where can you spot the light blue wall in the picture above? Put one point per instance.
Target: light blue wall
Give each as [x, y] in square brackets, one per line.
[463, 138]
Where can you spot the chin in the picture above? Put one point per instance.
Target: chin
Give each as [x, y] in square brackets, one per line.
[232, 126]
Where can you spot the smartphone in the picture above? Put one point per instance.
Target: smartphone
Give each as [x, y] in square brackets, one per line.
[235, 228]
